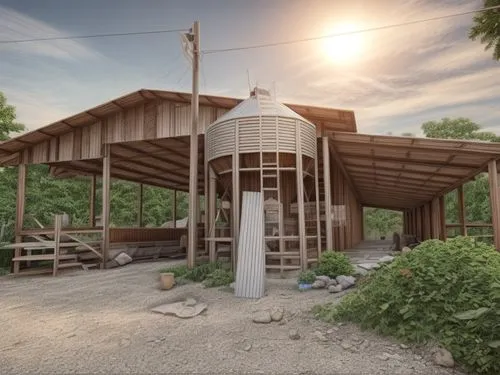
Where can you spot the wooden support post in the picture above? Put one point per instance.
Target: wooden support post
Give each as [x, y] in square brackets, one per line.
[328, 194]
[106, 185]
[57, 242]
[20, 201]
[495, 201]
[235, 205]
[461, 210]
[442, 219]
[300, 202]
[318, 214]
[174, 208]
[419, 223]
[427, 221]
[210, 215]
[193, 154]
[436, 228]
[92, 201]
[140, 205]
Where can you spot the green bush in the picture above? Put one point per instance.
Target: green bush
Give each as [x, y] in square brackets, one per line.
[333, 264]
[445, 292]
[178, 271]
[198, 273]
[219, 277]
[307, 277]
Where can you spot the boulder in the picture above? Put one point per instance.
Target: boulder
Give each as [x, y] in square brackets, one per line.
[346, 281]
[262, 317]
[277, 313]
[386, 259]
[335, 288]
[368, 266]
[318, 284]
[443, 358]
[360, 271]
[325, 279]
[332, 282]
[405, 249]
[123, 258]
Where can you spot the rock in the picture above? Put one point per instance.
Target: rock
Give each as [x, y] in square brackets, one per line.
[405, 249]
[190, 302]
[247, 348]
[368, 266]
[403, 346]
[332, 282]
[330, 331]
[263, 317]
[326, 279]
[345, 345]
[335, 288]
[112, 264]
[320, 336]
[383, 357]
[232, 285]
[386, 259]
[293, 334]
[277, 313]
[346, 281]
[443, 358]
[360, 271]
[123, 258]
[318, 284]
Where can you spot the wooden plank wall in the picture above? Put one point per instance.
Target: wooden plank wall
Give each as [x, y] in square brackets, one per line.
[131, 235]
[150, 120]
[346, 233]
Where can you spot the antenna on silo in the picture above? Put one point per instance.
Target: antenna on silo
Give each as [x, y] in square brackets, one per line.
[248, 79]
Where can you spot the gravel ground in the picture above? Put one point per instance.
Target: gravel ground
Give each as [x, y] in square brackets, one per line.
[100, 322]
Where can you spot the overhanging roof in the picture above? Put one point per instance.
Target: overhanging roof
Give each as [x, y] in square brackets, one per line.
[403, 172]
[329, 118]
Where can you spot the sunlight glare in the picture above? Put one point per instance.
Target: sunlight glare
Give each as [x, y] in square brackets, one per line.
[346, 48]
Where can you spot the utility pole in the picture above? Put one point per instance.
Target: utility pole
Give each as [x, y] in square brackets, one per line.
[193, 155]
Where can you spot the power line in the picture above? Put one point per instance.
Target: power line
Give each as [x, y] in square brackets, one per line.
[92, 36]
[264, 45]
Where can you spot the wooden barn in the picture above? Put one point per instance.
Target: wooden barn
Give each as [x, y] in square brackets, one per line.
[314, 171]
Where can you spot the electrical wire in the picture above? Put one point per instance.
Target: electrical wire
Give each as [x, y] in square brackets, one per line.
[92, 36]
[265, 45]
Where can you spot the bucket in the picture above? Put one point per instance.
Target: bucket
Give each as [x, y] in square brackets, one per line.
[167, 280]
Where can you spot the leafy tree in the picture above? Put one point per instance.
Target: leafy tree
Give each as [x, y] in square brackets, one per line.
[380, 222]
[459, 128]
[486, 28]
[7, 119]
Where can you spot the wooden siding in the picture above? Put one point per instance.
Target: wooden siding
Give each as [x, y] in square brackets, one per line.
[131, 235]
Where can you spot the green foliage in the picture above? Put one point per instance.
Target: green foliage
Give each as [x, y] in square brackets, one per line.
[198, 273]
[7, 119]
[379, 222]
[486, 28]
[219, 277]
[333, 264]
[306, 277]
[458, 128]
[178, 271]
[4, 271]
[442, 291]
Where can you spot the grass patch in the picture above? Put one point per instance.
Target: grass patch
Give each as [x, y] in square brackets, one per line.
[212, 274]
[446, 292]
[4, 271]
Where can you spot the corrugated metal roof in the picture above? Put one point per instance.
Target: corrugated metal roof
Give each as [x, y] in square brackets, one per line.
[251, 267]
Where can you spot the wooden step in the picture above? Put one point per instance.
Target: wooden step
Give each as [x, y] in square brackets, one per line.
[43, 257]
[69, 265]
[272, 267]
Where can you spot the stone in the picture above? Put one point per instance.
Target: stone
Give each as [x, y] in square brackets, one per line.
[318, 284]
[277, 313]
[123, 258]
[293, 334]
[386, 259]
[330, 331]
[443, 358]
[368, 266]
[247, 348]
[345, 345]
[320, 336]
[326, 279]
[190, 302]
[112, 264]
[180, 309]
[332, 282]
[405, 250]
[232, 285]
[360, 271]
[346, 281]
[262, 317]
[403, 346]
[335, 288]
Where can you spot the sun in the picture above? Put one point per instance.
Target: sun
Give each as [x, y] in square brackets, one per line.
[343, 49]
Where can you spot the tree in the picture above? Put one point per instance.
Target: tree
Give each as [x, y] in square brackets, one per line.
[381, 222]
[458, 128]
[486, 28]
[7, 119]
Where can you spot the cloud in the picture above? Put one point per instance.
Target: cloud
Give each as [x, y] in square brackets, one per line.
[16, 26]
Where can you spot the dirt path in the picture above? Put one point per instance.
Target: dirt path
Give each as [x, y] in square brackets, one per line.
[100, 322]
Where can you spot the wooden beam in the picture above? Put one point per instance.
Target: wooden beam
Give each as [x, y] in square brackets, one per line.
[57, 240]
[318, 216]
[442, 219]
[92, 200]
[300, 202]
[140, 197]
[495, 201]
[210, 216]
[461, 211]
[397, 170]
[396, 179]
[409, 160]
[174, 208]
[328, 193]
[106, 185]
[340, 163]
[465, 179]
[20, 202]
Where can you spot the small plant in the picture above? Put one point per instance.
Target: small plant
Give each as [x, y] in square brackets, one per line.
[307, 277]
[178, 271]
[333, 264]
[4, 271]
[196, 274]
[219, 277]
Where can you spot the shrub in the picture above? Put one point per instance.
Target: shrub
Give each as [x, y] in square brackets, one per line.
[198, 273]
[219, 277]
[307, 277]
[447, 292]
[178, 271]
[333, 264]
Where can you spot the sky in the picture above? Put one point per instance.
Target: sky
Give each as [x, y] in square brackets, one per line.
[394, 79]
